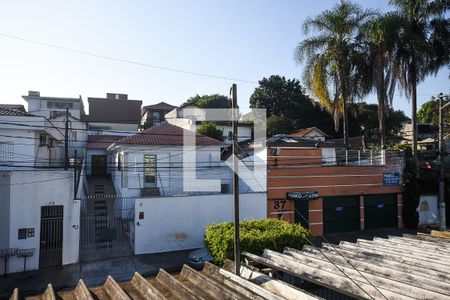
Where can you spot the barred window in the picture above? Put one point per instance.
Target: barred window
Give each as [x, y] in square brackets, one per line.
[6, 153]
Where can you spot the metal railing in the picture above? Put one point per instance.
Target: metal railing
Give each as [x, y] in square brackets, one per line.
[342, 157]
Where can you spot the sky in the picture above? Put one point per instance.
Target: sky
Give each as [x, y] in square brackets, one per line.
[245, 40]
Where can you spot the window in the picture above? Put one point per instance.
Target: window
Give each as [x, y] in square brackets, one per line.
[156, 117]
[43, 140]
[56, 113]
[6, 153]
[59, 104]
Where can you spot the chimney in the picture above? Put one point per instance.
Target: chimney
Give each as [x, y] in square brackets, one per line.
[114, 96]
[34, 94]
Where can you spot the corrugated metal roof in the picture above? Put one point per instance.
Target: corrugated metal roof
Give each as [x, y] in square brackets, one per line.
[210, 283]
[408, 267]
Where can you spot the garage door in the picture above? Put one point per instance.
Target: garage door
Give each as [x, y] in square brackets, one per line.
[380, 211]
[341, 214]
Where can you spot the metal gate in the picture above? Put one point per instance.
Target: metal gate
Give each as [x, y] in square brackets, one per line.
[341, 214]
[106, 234]
[51, 236]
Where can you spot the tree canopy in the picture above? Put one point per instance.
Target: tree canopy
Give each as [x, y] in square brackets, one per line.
[210, 129]
[209, 101]
[288, 107]
[335, 63]
[429, 112]
[364, 118]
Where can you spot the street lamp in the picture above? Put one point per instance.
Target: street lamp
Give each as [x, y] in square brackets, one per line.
[442, 221]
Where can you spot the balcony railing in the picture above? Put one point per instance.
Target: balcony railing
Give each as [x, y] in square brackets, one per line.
[342, 157]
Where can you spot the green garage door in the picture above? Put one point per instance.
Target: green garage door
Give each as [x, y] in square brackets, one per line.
[380, 211]
[341, 214]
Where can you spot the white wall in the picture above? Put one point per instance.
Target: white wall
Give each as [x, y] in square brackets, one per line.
[177, 223]
[169, 169]
[77, 134]
[29, 190]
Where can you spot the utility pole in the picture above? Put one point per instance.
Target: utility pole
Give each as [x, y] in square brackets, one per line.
[442, 221]
[75, 179]
[234, 116]
[66, 141]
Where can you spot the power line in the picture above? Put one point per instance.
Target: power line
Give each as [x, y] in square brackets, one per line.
[126, 61]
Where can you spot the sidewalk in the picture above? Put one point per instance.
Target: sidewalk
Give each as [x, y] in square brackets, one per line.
[93, 273]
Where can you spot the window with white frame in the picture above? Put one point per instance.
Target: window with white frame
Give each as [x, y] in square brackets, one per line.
[6, 153]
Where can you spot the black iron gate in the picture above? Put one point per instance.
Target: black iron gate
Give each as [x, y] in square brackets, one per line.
[106, 234]
[50, 253]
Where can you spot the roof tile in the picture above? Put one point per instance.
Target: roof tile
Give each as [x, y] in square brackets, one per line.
[166, 134]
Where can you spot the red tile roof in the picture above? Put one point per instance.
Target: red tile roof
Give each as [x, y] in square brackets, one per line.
[166, 134]
[102, 141]
[304, 131]
[13, 112]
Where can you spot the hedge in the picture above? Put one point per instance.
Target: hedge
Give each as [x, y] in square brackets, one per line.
[256, 235]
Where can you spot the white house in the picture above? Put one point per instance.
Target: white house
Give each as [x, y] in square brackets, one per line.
[52, 107]
[177, 191]
[190, 118]
[39, 215]
[151, 162]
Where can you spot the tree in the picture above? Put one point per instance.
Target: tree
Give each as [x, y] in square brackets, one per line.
[278, 124]
[429, 112]
[379, 36]
[209, 101]
[210, 129]
[365, 116]
[284, 99]
[334, 60]
[419, 51]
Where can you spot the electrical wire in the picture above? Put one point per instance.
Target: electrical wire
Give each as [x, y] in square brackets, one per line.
[126, 61]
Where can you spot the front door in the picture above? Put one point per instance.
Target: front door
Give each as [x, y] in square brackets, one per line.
[98, 165]
[51, 236]
[150, 170]
[301, 212]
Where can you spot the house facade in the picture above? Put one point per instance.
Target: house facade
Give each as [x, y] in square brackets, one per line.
[153, 115]
[150, 163]
[39, 215]
[191, 117]
[177, 191]
[52, 107]
[115, 113]
[330, 189]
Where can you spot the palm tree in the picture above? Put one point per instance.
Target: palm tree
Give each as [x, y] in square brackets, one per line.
[416, 55]
[334, 59]
[379, 36]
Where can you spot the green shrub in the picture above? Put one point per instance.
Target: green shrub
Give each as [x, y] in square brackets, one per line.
[256, 235]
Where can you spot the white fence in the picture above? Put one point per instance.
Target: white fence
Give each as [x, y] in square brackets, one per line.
[177, 223]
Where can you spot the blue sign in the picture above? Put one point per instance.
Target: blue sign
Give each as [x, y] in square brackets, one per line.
[391, 178]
